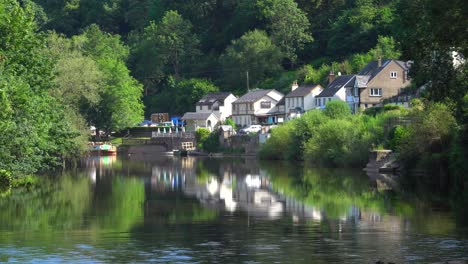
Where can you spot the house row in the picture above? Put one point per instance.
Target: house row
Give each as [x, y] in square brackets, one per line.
[377, 81]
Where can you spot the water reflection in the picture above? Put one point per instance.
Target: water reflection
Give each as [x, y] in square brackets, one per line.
[202, 210]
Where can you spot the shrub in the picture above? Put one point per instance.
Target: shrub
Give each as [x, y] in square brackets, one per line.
[201, 135]
[5, 181]
[337, 109]
[339, 143]
[277, 145]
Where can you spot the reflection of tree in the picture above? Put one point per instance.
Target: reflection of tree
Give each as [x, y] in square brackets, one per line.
[122, 206]
[332, 191]
[58, 204]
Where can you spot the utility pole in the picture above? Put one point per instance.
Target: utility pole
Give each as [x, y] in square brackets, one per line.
[248, 86]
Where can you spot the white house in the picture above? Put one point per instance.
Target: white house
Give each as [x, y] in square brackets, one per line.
[195, 121]
[218, 103]
[301, 99]
[337, 89]
[255, 107]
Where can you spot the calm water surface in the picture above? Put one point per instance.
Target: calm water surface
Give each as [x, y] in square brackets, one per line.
[188, 210]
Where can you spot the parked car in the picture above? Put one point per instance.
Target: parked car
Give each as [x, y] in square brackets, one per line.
[251, 129]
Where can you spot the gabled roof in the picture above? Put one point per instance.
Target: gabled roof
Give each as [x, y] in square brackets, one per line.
[197, 116]
[211, 98]
[253, 96]
[302, 91]
[337, 84]
[372, 68]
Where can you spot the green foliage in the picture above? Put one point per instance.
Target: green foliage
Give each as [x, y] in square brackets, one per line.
[279, 141]
[165, 48]
[206, 140]
[5, 182]
[230, 122]
[120, 104]
[201, 135]
[35, 133]
[337, 109]
[397, 135]
[432, 127]
[288, 25]
[253, 52]
[357, 28]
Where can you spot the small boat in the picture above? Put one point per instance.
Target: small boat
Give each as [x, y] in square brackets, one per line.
[104, 149]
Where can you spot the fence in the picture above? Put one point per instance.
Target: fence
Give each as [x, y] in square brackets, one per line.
[190, 135]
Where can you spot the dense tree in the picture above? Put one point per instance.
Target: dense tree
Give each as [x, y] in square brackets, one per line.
[254, 53]
[435, 37]
[120, 103]
[357, 28]
[288, 25]
[34, 130]
[166, 48]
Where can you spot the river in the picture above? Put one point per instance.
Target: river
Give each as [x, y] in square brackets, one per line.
[188, 210]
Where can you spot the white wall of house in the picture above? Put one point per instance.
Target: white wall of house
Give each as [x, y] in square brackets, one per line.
[242, 120]
[340, 95]
[210, 123]
[264, 105]
[244, 114]
[225, 111]
[221, 111]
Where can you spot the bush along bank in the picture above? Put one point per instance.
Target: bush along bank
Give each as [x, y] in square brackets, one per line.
[427, 139]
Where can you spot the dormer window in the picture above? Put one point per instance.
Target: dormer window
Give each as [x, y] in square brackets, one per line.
[393, 75]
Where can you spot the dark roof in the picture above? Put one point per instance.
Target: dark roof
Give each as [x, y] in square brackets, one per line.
[196, 116]
[337, 84]
[253, 96]
[211, 98]
[372, 68]
[302, 91]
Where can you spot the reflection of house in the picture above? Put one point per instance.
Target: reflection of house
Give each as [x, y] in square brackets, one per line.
[195, 121]
[301, 99]
[380, 80]
[337, 89]
[255, 107]
[218, 103]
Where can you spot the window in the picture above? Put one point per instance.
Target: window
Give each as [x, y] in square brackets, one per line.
[200, 107]
[365, 105]
[251, 106]
[376, 92]
[265, 105]
[393, 74]
[329, 99]
[209, 107]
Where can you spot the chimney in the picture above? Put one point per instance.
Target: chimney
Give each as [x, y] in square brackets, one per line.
[294, 86]
[331, 77]
[379, 62]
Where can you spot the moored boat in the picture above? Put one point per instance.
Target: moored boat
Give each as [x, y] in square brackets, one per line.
[104, 149]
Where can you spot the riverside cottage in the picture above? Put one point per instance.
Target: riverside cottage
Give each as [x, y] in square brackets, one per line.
[256, 107]
[211, 109]
[301, 99]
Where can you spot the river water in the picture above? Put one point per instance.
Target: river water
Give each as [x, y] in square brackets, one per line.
[187, 210]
